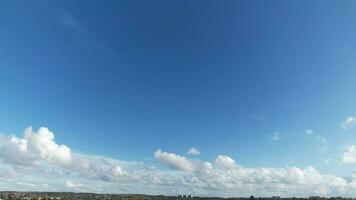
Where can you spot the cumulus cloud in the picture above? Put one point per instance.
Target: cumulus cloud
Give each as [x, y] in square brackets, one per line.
[225, 162]
[40, 149]
[193, 151]
[350, 155]
[33, 148]
[349, 123]
[275, 136]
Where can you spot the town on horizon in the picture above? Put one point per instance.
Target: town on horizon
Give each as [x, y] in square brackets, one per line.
[12, 195]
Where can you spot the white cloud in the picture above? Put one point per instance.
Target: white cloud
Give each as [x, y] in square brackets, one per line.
[309, 132]
[117, 171]
[350, 155]
[37, 160]
[71, 184]
[176, 162]
[33, 148]
[226, 177]
[275, 136]
[193, 151]
[39, 148]
[225, 162]
[349, 123]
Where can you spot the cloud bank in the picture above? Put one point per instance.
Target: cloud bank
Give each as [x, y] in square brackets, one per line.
[37, 162]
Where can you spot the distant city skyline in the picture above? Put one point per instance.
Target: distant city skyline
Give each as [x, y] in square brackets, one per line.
[208, 98]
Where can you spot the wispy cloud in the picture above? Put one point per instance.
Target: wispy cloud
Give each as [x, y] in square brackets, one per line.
[328, 161]
[67, 21]
[259, 117]
[193, 151]
[349, 123]
[73, 27]
[25, 184]
[320, 143]
[275, 136]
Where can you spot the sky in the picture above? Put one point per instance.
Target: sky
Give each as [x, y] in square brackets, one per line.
[209, 98]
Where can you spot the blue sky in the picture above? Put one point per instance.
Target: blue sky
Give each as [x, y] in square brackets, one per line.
[268, 83]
